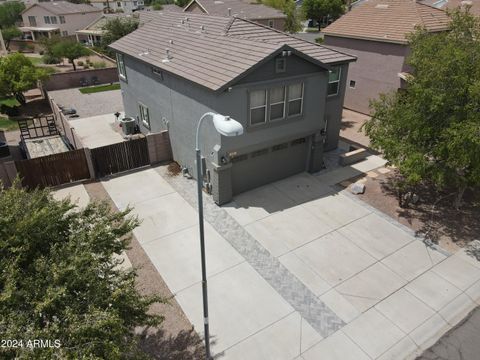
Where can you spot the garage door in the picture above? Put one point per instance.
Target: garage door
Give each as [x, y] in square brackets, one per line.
[267, 165]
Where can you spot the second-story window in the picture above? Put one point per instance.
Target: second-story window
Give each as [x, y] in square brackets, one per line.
[277, 103]
[271, 23]
[119, 4]
[295, 99]
[334, 80]
[258, 107]
[46, 19]
[32, 21]
[62, 19]
[121, 67]
[53, 19]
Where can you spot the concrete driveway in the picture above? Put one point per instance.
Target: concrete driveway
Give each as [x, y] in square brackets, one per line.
[298, 270]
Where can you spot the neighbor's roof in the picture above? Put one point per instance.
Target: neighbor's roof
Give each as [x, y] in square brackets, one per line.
[64, 7]
[96, 26]
[452, 4]
[214, 51]
[240, 8]
[387, 20]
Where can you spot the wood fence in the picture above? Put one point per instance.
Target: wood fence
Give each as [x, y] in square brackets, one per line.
[115, 158]
[53, 170]
[81, 164]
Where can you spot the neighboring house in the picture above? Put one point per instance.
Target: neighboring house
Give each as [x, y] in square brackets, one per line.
[453, 4]
[93, 32]
[244, 9]
[124, 6]
[286, 92]
[376, 33]
[63, 18]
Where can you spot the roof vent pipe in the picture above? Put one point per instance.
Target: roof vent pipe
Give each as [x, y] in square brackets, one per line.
[229, 11]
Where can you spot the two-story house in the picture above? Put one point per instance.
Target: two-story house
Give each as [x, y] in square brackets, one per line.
[58, 17]
[122, 6]
[286, 92]
[376, 32]
[250, 10]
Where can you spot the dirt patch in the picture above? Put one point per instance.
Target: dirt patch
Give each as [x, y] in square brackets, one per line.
[175, 339]
[173, 169]
[433, 215]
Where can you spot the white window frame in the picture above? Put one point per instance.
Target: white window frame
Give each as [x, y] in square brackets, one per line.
[296, 99]
[46, 19]
[34, 22]
[268, 104]
[145, 121]
[335, 81]
[122, 72]
[53, 20]
[62, 19]
[276, 103]
[258, 107]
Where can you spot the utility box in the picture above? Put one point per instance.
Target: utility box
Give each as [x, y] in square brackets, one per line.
[128, 125]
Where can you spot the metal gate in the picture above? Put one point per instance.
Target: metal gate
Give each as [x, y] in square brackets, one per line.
[115, 158]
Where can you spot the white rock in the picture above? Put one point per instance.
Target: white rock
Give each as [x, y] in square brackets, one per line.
[358, 188]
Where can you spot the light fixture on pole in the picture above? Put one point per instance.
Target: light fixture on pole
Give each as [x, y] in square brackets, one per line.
[227, 127]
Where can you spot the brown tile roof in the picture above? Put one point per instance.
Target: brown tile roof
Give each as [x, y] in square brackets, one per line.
[387, 20]
[65, 7]
[452, 4]
[213, 51]
[240, 8]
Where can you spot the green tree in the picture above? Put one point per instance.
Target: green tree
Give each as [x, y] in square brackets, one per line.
[60, 279]
[115, 29]
[293, 22]
[319, 10]
[431, 131]
[70, 50]
[9, 34]
[182, 3]
[18, 74]
[10, 13]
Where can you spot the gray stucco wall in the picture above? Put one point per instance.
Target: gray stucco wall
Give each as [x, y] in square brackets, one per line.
[177, 104]
[375, 71]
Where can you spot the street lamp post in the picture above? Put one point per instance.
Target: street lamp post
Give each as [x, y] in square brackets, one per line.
[227, 127]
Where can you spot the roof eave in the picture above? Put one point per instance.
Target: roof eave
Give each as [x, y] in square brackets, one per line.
[356, 37]
[268, 58]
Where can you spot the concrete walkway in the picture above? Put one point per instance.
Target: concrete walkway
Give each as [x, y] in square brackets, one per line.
[299, 270]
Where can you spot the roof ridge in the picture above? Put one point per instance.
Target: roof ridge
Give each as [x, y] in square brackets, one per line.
[286, 34]
[229, 24]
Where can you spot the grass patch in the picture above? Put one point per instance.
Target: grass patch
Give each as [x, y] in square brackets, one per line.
[99, 88]
[36, 60]
[7, 124]
[9, 102]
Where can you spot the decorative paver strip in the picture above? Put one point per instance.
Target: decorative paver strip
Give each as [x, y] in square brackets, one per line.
[310, 307]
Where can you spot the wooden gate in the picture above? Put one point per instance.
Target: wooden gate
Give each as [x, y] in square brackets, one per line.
[53, 170]
[115, 158]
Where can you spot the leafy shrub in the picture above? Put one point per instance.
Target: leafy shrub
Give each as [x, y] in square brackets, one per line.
[80, 63]
[9, 110]
[99, 65]
[50, 59]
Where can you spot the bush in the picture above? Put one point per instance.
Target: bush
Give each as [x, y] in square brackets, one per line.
[99, 65]
[86, 66]
[80, 63]
[50, 59]
[9, 110]
[41, 52]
